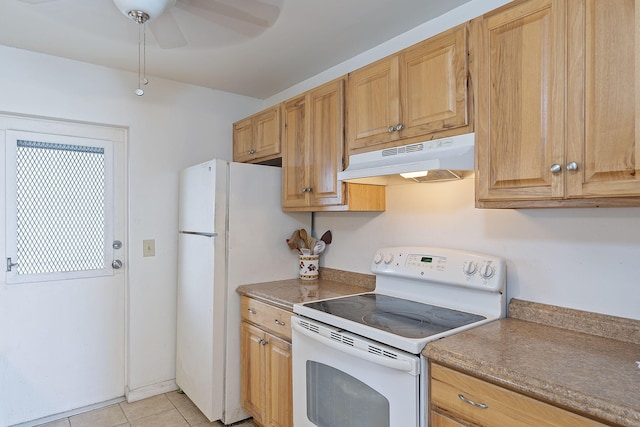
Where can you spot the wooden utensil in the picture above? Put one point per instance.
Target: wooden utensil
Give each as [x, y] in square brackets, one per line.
[294, 241]
[303, 237]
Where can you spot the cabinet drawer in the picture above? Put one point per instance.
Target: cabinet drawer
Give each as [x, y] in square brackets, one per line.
[268, 317]
[503, 407]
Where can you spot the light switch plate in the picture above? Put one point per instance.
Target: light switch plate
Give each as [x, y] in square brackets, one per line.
[149, 247]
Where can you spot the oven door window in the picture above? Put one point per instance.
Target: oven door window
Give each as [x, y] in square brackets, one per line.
[336, 399]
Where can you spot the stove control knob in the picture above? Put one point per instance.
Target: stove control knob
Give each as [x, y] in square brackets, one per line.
[470, 268]
[378, 258]
[388, 258]
[487, 271]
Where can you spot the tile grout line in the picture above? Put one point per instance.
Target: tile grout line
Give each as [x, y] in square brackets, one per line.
[178, 409]
[130, 421]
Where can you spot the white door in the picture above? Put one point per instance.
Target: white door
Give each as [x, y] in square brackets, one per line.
[62, 297]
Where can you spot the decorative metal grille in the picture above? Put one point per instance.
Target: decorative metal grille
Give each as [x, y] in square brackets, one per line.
[60, 207]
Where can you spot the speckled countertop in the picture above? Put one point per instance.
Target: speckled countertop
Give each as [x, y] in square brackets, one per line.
[332, 283]
[585, 362]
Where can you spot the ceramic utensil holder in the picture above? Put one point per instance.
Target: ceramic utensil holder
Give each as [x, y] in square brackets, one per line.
[309, 267]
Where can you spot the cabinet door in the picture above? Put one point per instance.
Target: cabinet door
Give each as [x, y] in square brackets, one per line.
[257, 138]
[433, 84]
[374, 104]
[266, 133]
[295, 151]
[253, 371]
[242, 140]
[520, 123]
[604, 98]
[327, 141]
[279, 389]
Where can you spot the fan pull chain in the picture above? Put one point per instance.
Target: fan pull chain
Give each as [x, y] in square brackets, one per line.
[142, 59]
[145, 81]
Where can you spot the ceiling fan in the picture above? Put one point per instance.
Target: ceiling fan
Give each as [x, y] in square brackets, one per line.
[169, 20]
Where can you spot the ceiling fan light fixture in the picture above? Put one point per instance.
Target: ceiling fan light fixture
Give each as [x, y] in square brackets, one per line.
[141, 12]
[151, 8]
[139, 16]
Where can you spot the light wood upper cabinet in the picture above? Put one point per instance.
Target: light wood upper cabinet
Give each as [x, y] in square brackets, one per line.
[257, 138]
[313, 141]
[313, 144]
[417, 93]
[603, 133]
[557, 124]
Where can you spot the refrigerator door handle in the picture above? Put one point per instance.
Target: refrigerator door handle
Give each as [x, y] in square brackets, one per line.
[196, 233]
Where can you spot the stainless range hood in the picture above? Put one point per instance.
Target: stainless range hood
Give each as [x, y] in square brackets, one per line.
[444, 159]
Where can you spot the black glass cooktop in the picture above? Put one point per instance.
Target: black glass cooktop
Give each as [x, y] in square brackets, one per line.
[406, 318]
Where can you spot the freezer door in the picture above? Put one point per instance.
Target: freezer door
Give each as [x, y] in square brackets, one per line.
[200, 322]
[199, 185]
[257, 253]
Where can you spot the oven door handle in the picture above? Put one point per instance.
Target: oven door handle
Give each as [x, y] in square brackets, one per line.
[400, 365]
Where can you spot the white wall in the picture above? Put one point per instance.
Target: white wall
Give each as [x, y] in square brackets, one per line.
[578, 258]
[173, 125]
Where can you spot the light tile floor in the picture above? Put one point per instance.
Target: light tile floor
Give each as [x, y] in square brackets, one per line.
[166, 410]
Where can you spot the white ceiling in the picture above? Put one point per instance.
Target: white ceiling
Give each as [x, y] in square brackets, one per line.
[309, 36]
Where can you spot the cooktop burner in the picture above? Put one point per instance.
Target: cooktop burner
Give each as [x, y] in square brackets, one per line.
[406, 318]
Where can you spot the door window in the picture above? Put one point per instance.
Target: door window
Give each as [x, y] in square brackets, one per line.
[58, 222]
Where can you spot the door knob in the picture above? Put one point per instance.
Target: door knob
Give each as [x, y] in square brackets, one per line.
[116, 264]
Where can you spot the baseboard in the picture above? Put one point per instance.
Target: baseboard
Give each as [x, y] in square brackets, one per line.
[150, 390]
[70, 413]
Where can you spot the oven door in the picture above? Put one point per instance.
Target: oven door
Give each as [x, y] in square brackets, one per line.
[344, 380]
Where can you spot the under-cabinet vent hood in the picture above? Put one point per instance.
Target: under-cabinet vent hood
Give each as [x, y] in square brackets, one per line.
[443, 159]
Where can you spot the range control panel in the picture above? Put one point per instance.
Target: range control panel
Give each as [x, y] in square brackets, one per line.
[441, 265]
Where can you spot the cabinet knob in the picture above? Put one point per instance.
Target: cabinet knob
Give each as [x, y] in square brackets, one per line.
[555, 168]
[251, 311]
[263, 342]
[279, 323]
[306, 189]
[399, 126]
[572, 166]
[391, 129]
[252, 151]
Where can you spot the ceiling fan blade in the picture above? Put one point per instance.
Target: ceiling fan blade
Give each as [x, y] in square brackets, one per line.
[253, 12]
[166, 31]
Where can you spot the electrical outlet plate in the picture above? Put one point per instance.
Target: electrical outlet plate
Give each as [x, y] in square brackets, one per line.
[149, 247]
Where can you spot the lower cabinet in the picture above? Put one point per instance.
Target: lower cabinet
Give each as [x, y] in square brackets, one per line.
[459, 399]
[266, 364]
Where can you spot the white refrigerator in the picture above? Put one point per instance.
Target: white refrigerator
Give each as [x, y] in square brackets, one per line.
[232, 231]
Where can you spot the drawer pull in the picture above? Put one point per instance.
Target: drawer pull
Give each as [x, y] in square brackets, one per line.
[471, 402]
[251, 311]
[279, 323]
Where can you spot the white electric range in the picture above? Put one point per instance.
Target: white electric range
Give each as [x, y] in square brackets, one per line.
[356, 359]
